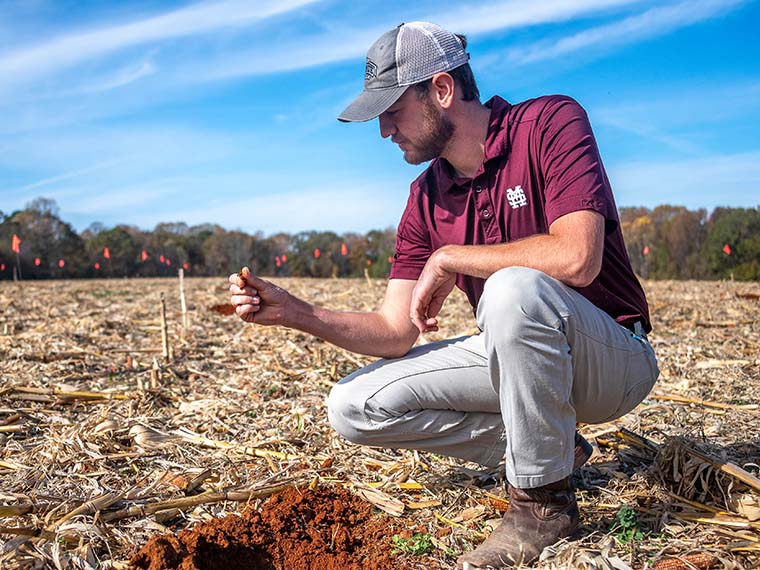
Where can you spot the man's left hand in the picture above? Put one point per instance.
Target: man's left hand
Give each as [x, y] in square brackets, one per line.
[433, 286]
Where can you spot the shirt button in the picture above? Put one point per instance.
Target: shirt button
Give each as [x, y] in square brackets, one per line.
[486, 214]
[478, 189]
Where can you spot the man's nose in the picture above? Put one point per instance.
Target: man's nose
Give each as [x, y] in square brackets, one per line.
[387, 128]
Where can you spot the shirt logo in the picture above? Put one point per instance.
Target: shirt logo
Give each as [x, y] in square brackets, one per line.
[516, 197]
[370, 72]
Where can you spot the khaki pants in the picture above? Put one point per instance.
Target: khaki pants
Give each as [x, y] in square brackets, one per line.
[546, 358]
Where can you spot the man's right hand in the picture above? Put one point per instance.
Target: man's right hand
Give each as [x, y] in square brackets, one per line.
[257, 300]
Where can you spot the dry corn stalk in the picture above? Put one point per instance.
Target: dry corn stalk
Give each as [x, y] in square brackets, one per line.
[381, 500]
[147, 437]
[202, 499]
[747, 505]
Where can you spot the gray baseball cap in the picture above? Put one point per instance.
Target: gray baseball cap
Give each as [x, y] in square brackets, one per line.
[407, 54]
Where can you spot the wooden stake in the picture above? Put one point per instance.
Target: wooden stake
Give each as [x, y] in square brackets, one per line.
[164, 330]
[155, 375]
[185, 322]
[18, 265]
[366, 276]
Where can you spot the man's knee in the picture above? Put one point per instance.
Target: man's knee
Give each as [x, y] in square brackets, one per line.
[346, 410]
[514, 296]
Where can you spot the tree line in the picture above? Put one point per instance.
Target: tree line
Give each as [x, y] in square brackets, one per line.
[667, 242]
[673, 242]
[51, 248]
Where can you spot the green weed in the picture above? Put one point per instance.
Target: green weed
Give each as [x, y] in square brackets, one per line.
[626, 526]
[417, 545]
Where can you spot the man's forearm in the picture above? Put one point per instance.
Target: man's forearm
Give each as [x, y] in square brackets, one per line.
[574, 258]
[362, 332]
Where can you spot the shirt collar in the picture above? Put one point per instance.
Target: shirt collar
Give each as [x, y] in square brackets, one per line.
[496, 145]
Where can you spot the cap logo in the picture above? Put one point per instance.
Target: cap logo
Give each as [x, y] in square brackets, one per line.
[370, 72]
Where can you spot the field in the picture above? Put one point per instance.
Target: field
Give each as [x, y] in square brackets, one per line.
[118, 437]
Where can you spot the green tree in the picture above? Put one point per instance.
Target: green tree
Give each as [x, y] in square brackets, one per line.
[44, 236]
[739, 229]
[123, 250]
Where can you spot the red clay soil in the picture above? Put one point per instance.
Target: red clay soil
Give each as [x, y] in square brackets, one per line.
[223, 309]
[298, 529]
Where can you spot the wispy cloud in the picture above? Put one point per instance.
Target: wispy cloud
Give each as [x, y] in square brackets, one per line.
[653, 22]
[154, 145]
[686, 104]
[343, 42]
[295, 52]
[706, 182]
[123, 77]
[474, 19]
[202, 18]
[646, 129]
[65, 176]
[350, 206]
[681, 117]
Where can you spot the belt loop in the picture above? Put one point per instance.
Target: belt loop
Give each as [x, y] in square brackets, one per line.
[638, 329]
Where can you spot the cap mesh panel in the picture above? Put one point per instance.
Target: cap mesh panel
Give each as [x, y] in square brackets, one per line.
[422, 50]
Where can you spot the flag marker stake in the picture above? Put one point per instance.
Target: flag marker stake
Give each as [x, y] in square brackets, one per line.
[185, 322]
[164, 330]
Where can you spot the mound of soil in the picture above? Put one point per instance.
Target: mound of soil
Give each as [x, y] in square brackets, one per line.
[298, 529]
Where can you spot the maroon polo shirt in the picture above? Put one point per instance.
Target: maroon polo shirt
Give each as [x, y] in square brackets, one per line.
[541, 162]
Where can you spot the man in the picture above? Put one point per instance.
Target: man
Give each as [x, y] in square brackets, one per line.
[516, 210]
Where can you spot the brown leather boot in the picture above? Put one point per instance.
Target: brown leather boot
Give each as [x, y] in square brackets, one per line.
[536, 518]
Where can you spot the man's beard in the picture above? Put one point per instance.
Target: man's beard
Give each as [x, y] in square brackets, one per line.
[437, 130]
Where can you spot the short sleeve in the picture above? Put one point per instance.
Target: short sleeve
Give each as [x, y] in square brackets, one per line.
[574, 177]
[413, 246]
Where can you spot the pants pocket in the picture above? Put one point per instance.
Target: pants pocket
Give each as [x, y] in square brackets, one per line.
[641, 375]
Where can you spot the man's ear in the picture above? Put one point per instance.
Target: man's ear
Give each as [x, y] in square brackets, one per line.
[443, 87]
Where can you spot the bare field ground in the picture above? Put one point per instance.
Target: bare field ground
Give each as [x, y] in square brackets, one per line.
[106, 443]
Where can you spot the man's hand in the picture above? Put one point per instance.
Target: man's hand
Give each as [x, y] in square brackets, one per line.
[433, 286]
[256, 300]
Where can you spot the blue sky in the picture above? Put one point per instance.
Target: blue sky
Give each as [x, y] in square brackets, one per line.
[224, 112]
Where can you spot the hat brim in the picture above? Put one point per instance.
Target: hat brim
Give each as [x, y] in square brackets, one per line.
[370, 103]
